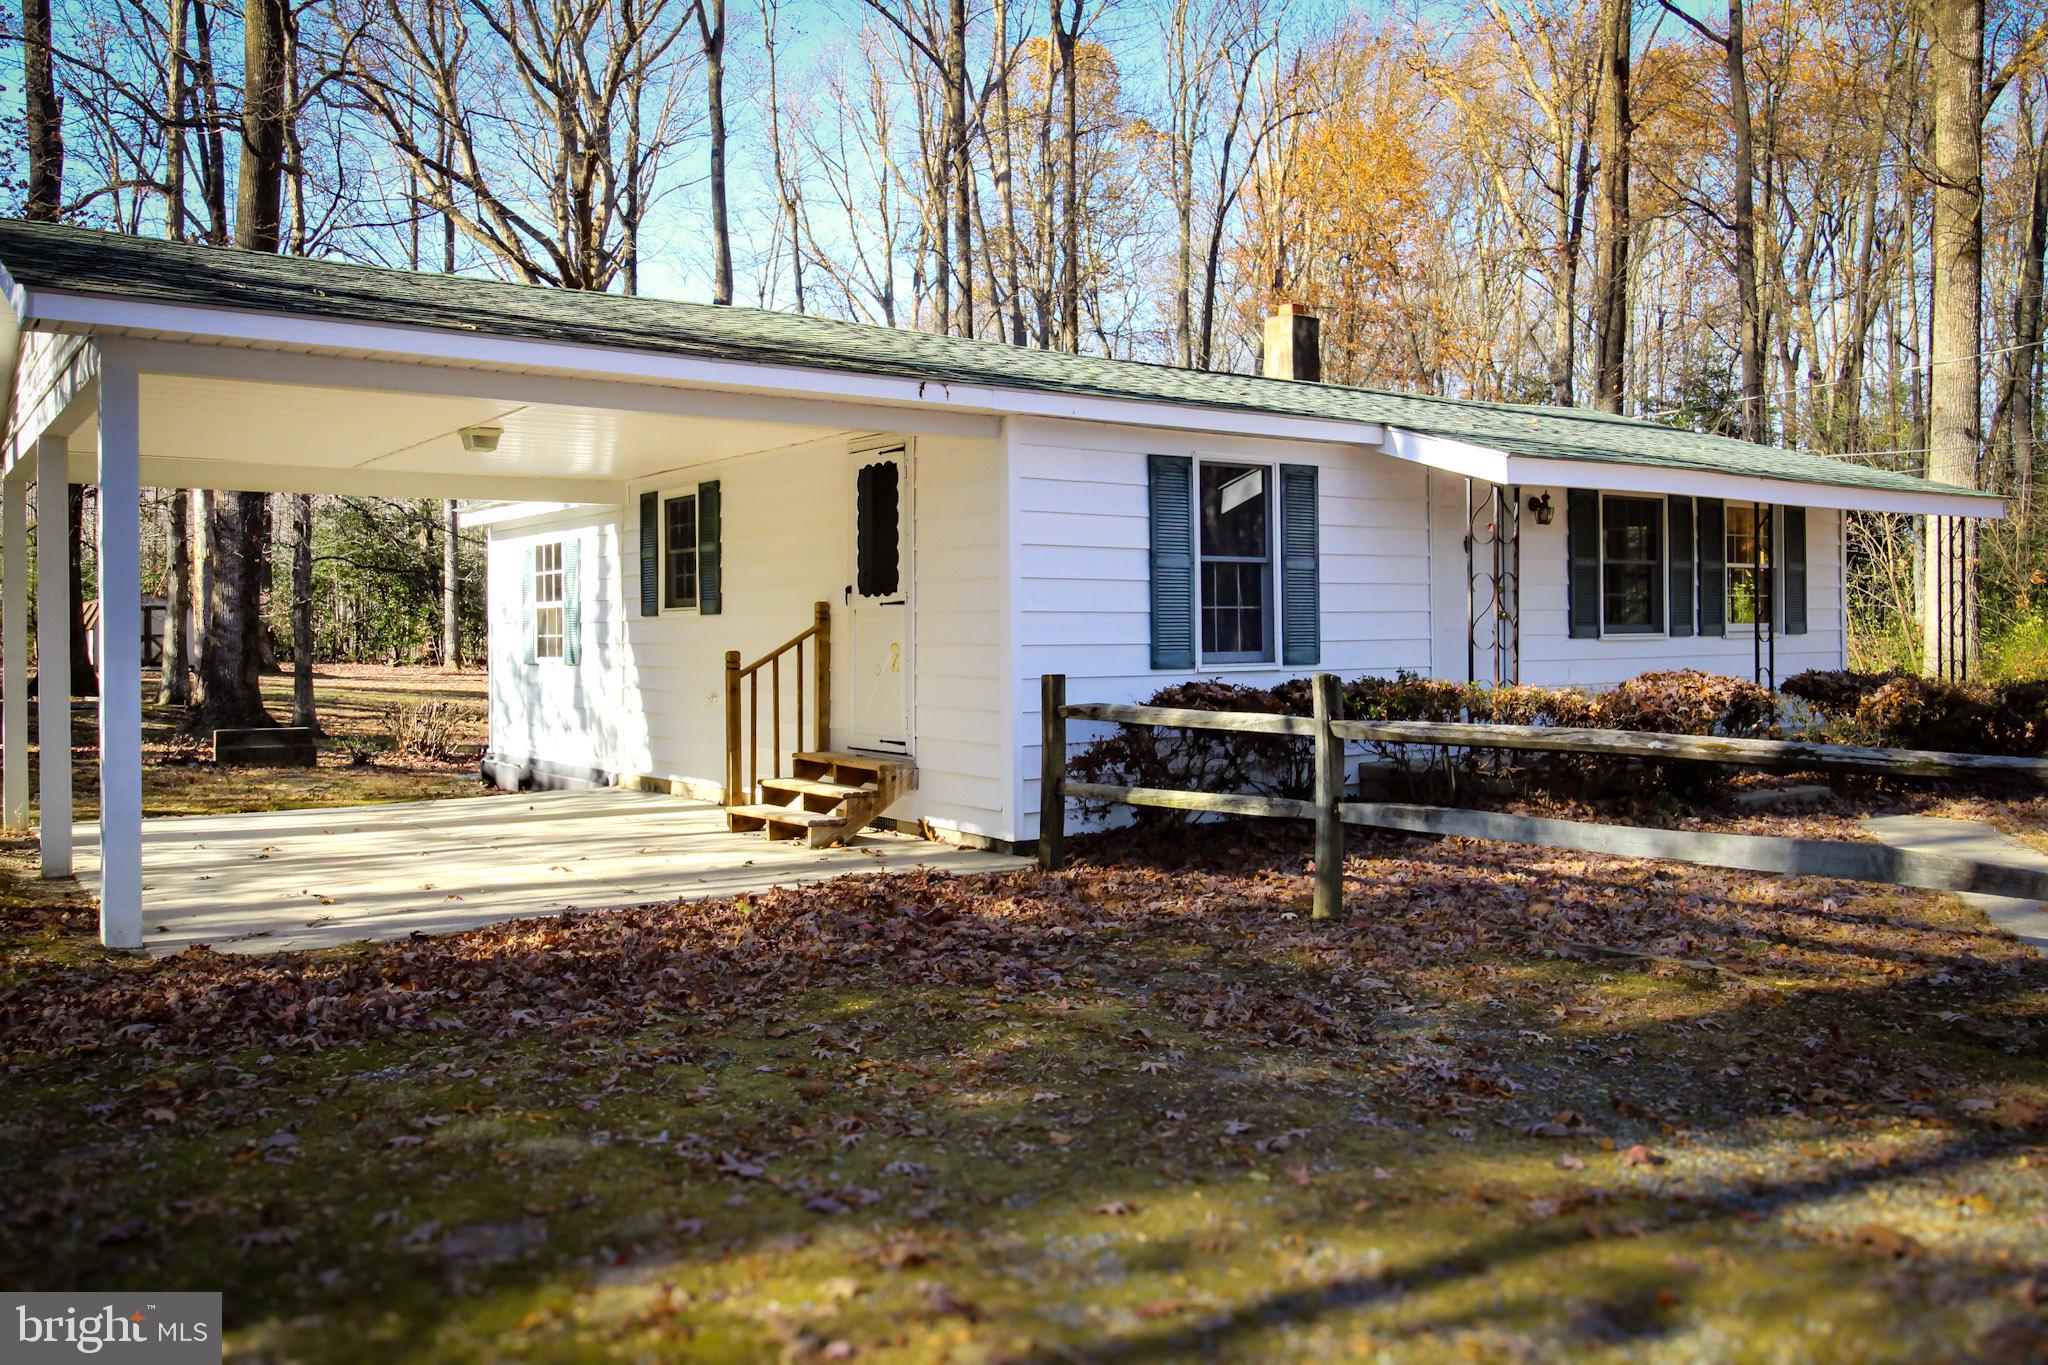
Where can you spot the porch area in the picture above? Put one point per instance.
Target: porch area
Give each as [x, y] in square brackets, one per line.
[269, 881]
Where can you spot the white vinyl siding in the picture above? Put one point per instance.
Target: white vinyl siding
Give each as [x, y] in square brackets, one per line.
[1082, 567]
[1551, 658]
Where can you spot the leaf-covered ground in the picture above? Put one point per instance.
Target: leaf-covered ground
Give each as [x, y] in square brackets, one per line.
[1140, 1109]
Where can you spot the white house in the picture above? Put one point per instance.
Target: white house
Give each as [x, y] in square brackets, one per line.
[671, 485]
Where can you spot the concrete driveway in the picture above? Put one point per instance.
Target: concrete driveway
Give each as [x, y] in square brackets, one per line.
[260, 883]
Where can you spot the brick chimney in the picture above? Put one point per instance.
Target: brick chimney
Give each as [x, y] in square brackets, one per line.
[1294, 344]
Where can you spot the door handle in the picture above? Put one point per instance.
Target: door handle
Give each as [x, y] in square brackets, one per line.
[849, 592]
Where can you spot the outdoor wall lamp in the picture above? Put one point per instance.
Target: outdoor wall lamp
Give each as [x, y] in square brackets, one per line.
[1543, 510]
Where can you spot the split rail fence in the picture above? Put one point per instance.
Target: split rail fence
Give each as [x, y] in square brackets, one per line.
[1329, 809]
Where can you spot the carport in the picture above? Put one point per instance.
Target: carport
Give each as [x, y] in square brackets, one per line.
[120, 375]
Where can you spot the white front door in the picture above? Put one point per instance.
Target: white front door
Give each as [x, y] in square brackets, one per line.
[878, 602]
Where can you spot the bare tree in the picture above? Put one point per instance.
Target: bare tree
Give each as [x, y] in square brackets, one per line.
[1615, 133]
[451, 585]
[1955, 419]
[711, 30]
[541, 130]
[231, 657]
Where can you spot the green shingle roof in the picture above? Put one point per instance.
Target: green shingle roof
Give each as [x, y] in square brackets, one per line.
[76, 260]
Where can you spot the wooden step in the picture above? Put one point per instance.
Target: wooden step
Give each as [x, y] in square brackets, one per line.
[810, 786]
[806, 793]
[850, 769]
[786, 822]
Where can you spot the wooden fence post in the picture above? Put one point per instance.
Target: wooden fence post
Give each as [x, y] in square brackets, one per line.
[1329, 706]
[1052, 771]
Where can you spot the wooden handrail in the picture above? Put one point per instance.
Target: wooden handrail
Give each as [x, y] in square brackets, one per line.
[743, 755]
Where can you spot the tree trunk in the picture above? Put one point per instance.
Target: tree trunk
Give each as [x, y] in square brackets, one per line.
[44, 114]
[232, 656]
[85, 680]
[302, 612]
[2020, 403]
[711, 28]
[451, 586]
[1005, 172]
[260, 189]
[176, 689]
[1751, 340]
[1065, 38]
[231, 696]
[956, 123]
[1955, 418]
[1610, 288]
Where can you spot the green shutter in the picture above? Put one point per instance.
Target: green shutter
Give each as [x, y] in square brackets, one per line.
[1171, 499]
[572, 601]
[1582, 562]
[1679, 545]
[710, 559]
[1794, 560]
[1713, 567]
[526, 608]
[1301, 610]
[650, 555]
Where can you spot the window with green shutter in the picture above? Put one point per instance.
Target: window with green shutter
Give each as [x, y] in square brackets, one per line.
[710, 549]
[572, 602]
[1792, 556]
[1170, 499]
[1713, 549]
[1678, 510]
[1582, 562]
[1301, 610]
[650, 554]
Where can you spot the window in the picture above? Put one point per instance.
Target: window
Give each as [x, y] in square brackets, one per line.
[1749, 564]
[1236, 542]
[548, 600]
[679, 520]
[878, 529]
[1632, 565]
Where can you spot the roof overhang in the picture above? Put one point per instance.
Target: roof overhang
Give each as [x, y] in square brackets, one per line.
[1617, 476]
[838, 396]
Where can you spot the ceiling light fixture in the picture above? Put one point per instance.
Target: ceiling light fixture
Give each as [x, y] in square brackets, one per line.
[480, 440]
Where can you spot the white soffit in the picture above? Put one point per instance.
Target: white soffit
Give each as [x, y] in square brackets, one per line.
[1614, 476]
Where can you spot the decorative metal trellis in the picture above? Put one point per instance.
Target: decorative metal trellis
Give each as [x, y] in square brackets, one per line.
[1952, 625]
[1493, 582]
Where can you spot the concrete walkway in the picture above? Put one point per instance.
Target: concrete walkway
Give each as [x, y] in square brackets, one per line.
[260, 883]
[2025, 920]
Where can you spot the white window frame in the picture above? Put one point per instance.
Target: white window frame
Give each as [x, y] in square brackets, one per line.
[668, 550]
[1660, 587]
[1235, 661]
[1769, 540]
[550, 602]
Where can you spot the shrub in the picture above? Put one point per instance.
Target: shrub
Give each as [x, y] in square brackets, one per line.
[434, 731]
[1900, 711]
[1686, 702]
[1677, 702]
[1835, 691]
[1203, 760]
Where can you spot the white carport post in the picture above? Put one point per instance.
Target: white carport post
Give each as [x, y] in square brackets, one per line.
[14, 640]
[120, 653]
[53, 650]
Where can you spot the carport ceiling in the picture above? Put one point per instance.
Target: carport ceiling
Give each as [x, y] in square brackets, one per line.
[242, 422]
